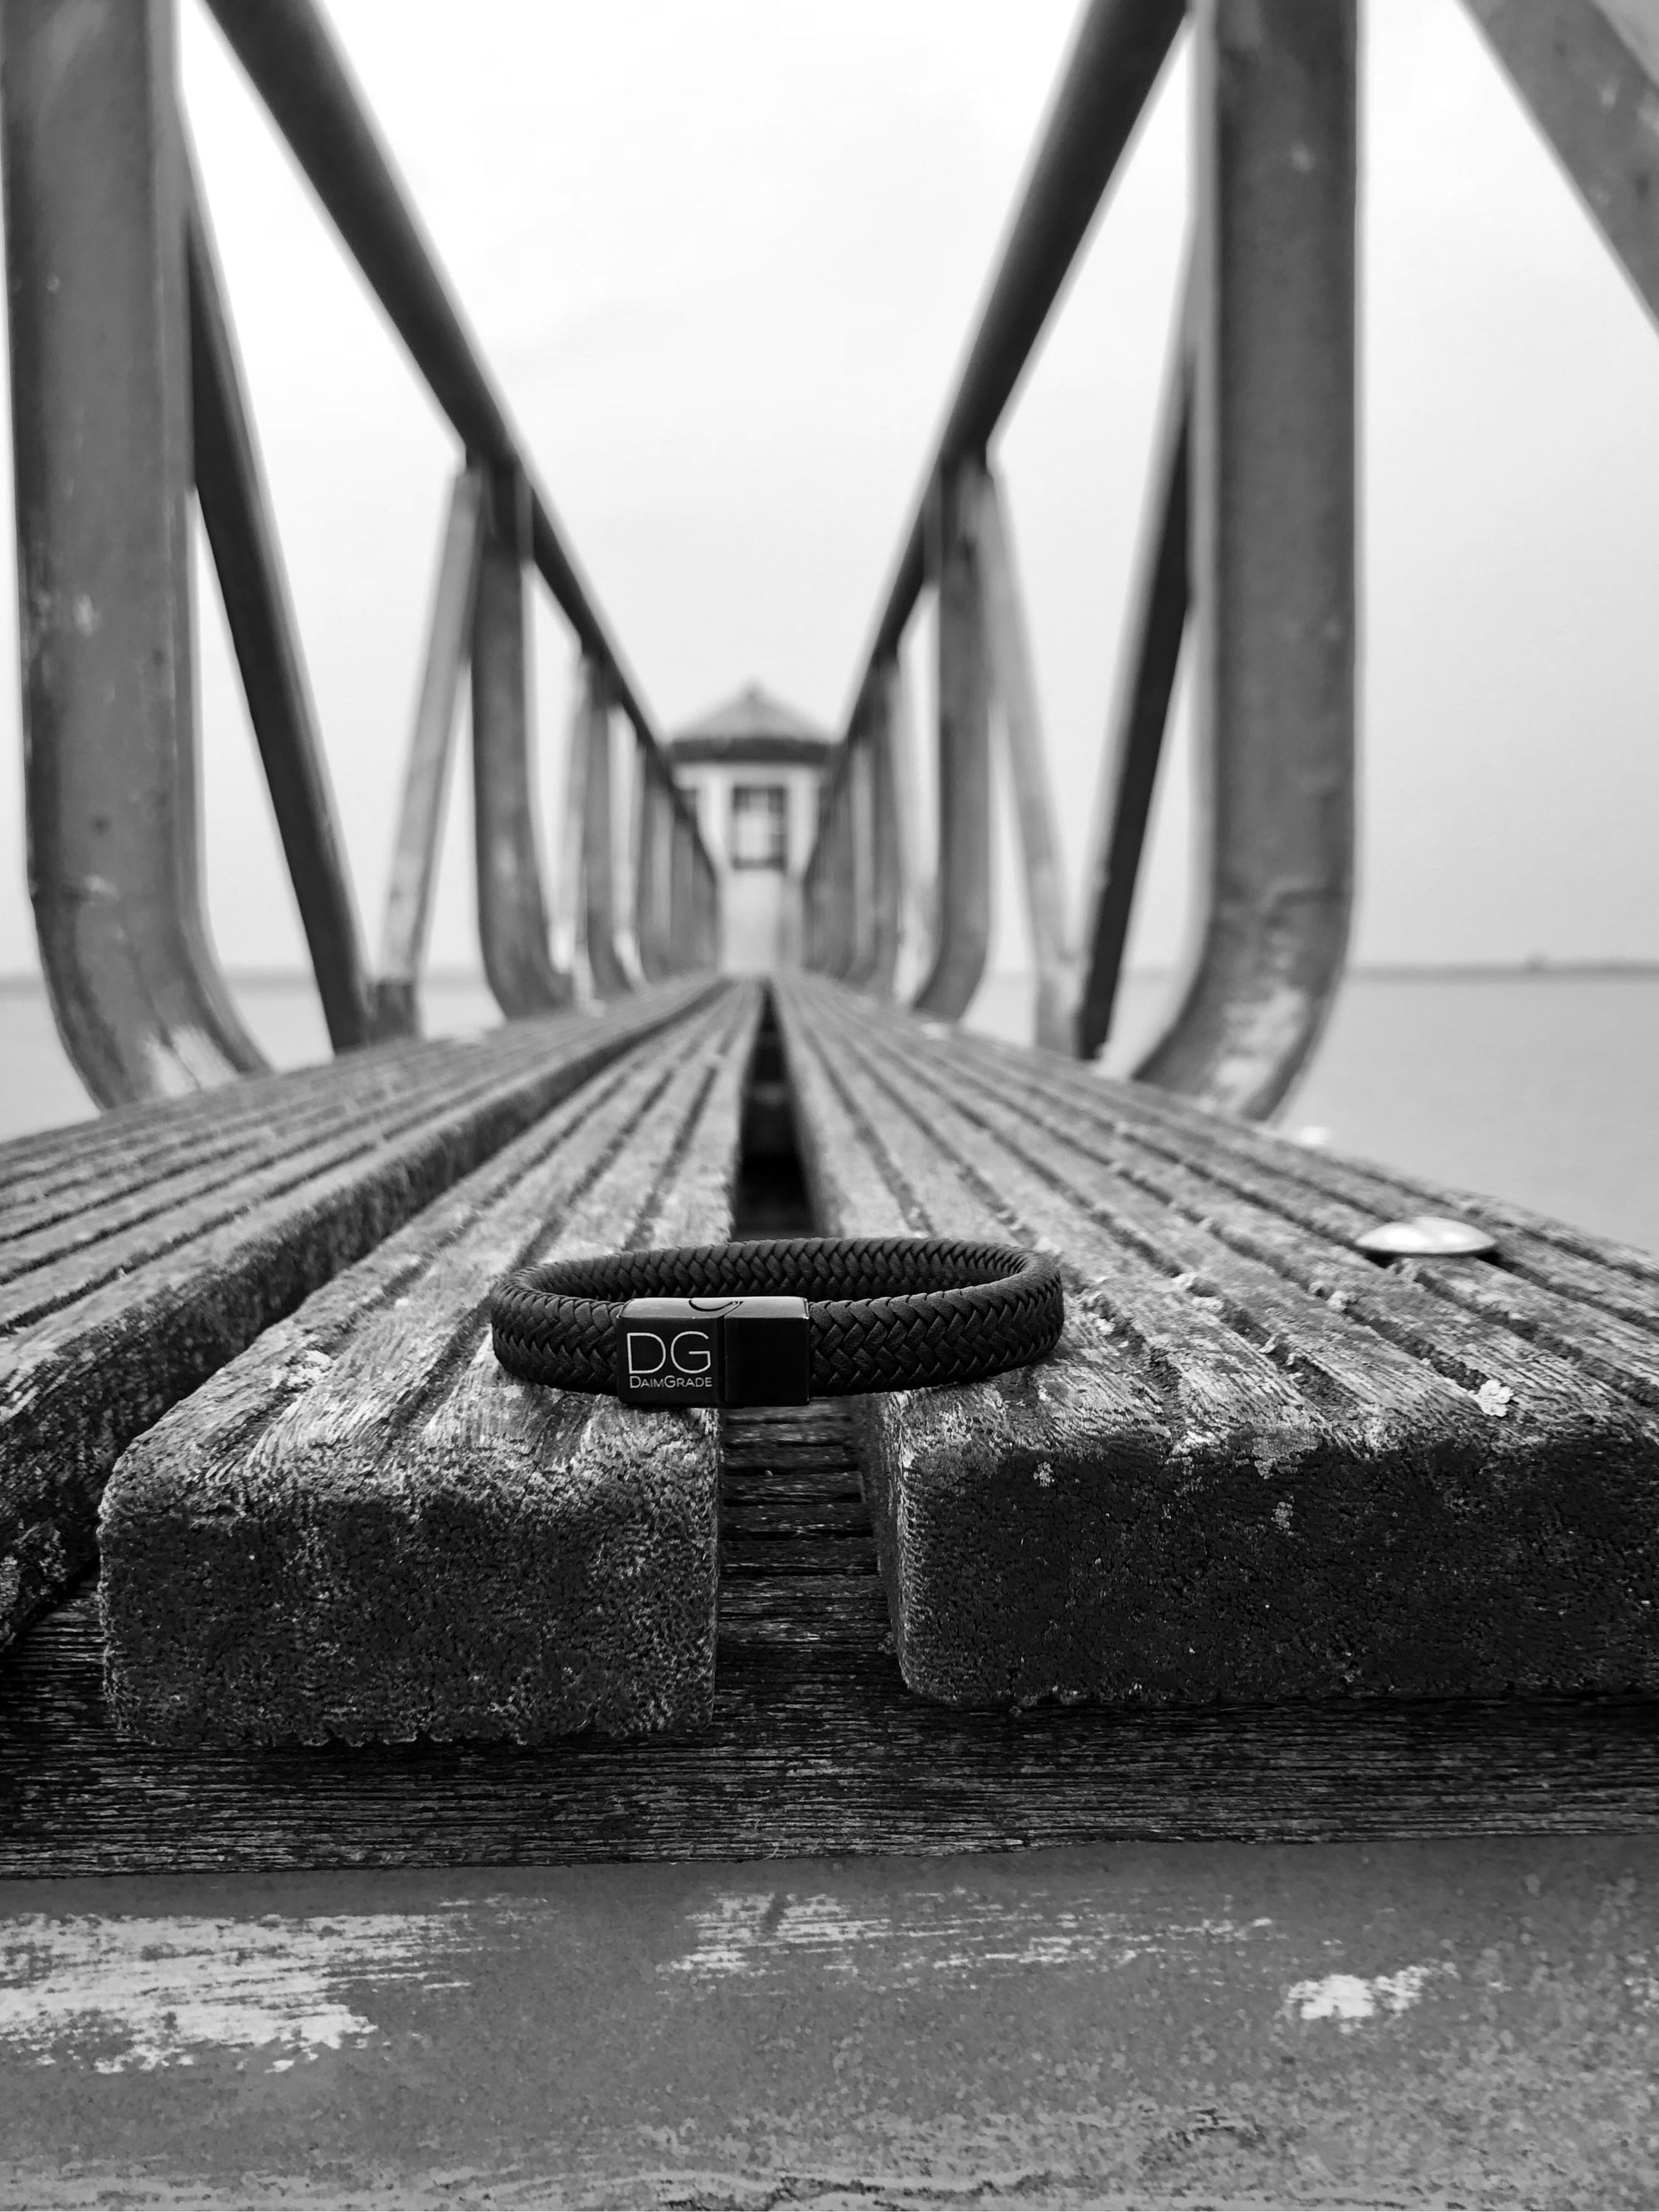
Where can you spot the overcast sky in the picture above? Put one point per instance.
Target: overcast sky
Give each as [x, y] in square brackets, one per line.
[723, 258]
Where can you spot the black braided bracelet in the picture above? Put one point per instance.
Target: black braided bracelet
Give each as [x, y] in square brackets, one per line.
[777, 1323]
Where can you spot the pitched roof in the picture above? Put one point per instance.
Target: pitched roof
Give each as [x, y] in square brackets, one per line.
[752, 725]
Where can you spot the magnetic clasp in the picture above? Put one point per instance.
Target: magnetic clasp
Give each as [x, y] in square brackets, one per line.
[766, 1353]
[714, 1352]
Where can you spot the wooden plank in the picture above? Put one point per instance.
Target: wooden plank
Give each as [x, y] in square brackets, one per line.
[1363, 1482]
[47, 1177]
[364, 1528]
[122, 1308]
[813, 1746]
[1305, 1224]
[1621, 1278]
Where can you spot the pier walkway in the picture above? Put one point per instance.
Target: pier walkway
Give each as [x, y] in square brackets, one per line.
[1217, 1762]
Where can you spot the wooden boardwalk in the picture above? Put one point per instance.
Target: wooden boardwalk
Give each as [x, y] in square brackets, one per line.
[816, 1747]
[1143, 1901]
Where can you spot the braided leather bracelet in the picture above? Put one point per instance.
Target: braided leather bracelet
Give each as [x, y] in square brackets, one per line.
[777, 1323]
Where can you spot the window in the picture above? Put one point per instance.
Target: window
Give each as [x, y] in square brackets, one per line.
[759, 825]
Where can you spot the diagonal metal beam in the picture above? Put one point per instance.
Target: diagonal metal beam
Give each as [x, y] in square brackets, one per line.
[236, 512]
[1153, 633]
[1588, 77]
[1106, 82]
[290, 58]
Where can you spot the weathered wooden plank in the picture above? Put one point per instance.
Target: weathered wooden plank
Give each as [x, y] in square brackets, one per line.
[41, 1228]
[1617, 1277]
[102, 1333]
[48, 1160]
[364, 1528]
[814, 1746]
[1306, 1227]
[1364, 1483]
[761, 1514]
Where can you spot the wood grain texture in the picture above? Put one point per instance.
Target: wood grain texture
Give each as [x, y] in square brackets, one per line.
[814, 1746]
[1259, 1466]
[139, 1256]
[364, 1528]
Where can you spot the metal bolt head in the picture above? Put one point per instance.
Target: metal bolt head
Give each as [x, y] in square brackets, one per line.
[1426, 1235]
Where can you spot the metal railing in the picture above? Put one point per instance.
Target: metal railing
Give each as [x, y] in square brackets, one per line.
[1248, 536]
[127, 392]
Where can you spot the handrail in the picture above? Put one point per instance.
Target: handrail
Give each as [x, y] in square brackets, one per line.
[294, 64]
[1105, 83]
[1273, 84]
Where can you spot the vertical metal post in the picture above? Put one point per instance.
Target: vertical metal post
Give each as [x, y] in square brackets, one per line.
[512, 908]
[649, 917]
[1152, 635]
[95, 222]
[1273, 468]
[916, 900]
[886, 832]
[963, 935]
[230, 486]
[811, 957]
[568, 893]
[836, 876]
[861, 867]
[708, 904]
[682, 918]
[419, 819]
[1014, 683]
[605, 963]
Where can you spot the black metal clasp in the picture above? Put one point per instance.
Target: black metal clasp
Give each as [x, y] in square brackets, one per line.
[714, 1352]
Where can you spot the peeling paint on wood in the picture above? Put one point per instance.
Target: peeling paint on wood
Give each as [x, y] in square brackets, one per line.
[1406, 2024]
[120, 1995]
